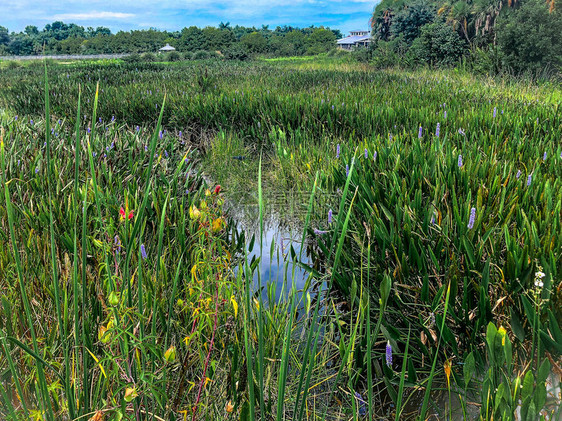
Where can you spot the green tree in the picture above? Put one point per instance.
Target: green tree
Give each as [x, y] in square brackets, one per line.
[4, 36]
[439, 44]
[320, 41]
[255, 43]
[409, 20]
[529, 37]
[192, 39]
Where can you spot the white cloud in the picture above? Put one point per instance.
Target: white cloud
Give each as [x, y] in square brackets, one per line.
[93, 15]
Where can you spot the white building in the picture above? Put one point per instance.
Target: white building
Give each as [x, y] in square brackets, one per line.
[167, 48]
[355, 39]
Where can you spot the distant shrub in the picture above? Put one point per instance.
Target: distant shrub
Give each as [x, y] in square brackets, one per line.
[236, 52]
[485, 61]
[200, 55]
[132, 58]
[337, 52]
[188, 55]
[384, 54]
[148, 57]
[362, 54]
[173, 56]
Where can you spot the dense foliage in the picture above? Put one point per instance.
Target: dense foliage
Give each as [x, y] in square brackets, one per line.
[434, 212]
[514, 35]
[61, 38]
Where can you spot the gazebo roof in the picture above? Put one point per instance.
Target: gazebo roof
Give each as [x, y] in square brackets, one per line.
[167, 47]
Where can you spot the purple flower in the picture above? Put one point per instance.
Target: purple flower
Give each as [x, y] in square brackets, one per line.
[518, 174]
[143, 252]
[145, 148]
[31, 122]
[137, 128]
[166, 154]
[460, 161]
[112, 118]
[338, 151]
[388, 354]
[366, 153]
[346, 170]
[432, 219]
[180, 133]
[319, 232]
[330, 217]
[16, 118]
[529, 180]
[94, 154]
[89, 130]
[160, 134]
[374, 156]
[420, 132]
[118, 244]
[544, 157]
[494, 112]
[437, 130]
[100, 119]
[461, 132]
[36, 170]
[472, 218]
[361, 406]
[445, 114]
[332, 107]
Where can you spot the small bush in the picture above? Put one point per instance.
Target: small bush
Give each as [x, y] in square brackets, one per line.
[200, 55]
[236, 52]
[148, 57]
[188, 55]
[132, 58]
[173, 56]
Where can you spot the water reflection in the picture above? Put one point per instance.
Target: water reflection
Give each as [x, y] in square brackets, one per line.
[278, 250]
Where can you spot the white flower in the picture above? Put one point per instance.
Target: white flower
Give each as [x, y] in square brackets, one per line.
[539, 275]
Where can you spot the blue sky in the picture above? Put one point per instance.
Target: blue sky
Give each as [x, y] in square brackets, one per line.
[175, 14]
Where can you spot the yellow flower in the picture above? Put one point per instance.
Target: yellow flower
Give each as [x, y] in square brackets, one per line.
[229, 407]
[447, 367]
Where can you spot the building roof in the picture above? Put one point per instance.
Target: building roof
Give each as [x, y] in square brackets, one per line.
[167, 47]
[354, 39]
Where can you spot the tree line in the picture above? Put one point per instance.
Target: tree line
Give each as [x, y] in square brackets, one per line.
[61, 38]
[489, 36]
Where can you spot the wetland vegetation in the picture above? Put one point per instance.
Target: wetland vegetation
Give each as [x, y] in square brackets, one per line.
[142, 201]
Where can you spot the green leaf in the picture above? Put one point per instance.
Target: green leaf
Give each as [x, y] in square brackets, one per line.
[528, 383]
[517, 326]
[385, 287]
[543, 372]
[491, 333]
[469, 368]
